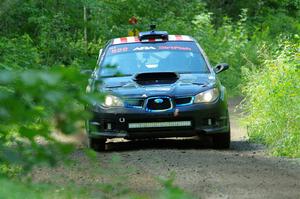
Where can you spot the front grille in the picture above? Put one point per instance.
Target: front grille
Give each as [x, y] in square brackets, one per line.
[159, 104]
[183, 101]
[134, 102]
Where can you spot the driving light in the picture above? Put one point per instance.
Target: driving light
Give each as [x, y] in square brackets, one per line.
[159, 124]
[207, 96]
[112, 101]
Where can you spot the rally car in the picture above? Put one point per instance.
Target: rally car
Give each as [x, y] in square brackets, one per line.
[157, 85]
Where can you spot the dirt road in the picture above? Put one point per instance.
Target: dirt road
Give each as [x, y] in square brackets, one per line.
[244, 171]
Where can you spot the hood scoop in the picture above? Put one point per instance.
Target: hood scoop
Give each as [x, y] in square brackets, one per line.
[156, 78]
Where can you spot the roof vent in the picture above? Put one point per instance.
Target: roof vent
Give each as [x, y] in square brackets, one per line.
[153, 34]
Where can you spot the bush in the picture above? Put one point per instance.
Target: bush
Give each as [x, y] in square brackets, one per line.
[18, 53]
[273, 100]
[14, 189]
[34, 104]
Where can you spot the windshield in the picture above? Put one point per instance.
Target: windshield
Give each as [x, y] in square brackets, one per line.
[130, 59]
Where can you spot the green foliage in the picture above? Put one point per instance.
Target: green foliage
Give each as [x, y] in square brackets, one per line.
[258, 9]
[14, 190]
[34, 103]
[171, 191]
[273, 100]
[18, 53]
[43, 47]
[277, 23]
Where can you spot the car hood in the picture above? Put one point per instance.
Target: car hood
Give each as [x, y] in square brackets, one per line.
[185, 85]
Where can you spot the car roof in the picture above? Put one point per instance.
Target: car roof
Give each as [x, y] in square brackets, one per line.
[126, 40]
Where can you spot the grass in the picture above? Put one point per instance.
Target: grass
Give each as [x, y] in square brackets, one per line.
[14, 189]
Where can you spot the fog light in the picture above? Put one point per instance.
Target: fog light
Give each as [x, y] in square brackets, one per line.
[209, 122]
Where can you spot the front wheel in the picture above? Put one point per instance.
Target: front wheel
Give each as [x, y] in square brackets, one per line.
[97, 144]
[221, 141]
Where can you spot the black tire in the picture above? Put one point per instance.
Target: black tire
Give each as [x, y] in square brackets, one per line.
[221, 141]
[97, 144]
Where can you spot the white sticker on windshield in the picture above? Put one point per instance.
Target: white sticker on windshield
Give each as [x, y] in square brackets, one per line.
[152, 65]
[144, 48]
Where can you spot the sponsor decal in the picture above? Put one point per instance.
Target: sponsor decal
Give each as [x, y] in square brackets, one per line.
[174, 48]
[119, 50]
[144, 48]
[151, 65]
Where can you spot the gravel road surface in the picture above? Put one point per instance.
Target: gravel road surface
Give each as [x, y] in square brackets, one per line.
[244, 171]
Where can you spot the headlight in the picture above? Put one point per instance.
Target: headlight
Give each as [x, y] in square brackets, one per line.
[207, 96]
[112, 101]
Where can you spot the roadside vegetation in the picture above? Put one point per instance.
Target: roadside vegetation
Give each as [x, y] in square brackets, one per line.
[272, 100]
[45, 44]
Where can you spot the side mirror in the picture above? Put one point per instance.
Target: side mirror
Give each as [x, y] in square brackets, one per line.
[221, 67]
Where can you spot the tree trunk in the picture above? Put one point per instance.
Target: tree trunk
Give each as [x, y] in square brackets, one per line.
[85, 28]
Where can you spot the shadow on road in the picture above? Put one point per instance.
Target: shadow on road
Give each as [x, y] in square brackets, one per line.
[204, 143]
[158, 144]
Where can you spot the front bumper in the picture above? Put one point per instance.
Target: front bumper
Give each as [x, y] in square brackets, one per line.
[114, 123]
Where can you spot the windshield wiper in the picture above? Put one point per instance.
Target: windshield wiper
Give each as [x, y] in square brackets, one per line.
[188, 72]
[117, 75]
